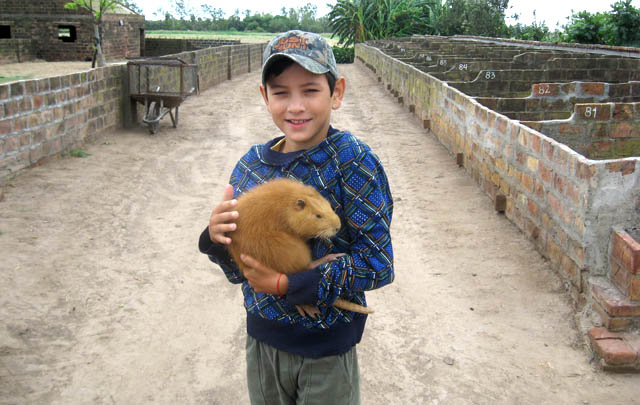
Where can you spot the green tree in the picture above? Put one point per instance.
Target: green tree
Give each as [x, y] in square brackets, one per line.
[587, 28]
[97, 9]
[473, 17]
[623, 25]
[354, 21]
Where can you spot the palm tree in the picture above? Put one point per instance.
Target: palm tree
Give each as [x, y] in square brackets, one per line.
[354, 21]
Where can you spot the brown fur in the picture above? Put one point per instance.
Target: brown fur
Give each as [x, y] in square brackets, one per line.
[275, 219]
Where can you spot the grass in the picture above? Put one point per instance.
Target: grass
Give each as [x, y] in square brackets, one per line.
[245, 37]
[79, 153]
[5, 79]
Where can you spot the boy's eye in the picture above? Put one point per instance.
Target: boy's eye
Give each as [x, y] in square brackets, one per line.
[318, 216]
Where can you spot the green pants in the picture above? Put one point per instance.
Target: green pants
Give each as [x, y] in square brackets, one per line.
[279, 378]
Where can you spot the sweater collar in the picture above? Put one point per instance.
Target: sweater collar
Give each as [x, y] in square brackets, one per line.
[272, 157]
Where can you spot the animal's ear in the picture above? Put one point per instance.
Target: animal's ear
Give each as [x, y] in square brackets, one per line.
[301, 204]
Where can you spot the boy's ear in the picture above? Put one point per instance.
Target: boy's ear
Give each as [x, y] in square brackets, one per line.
[338, 93]
[263, 91]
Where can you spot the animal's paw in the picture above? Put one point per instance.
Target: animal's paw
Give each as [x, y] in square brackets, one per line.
[308, 310]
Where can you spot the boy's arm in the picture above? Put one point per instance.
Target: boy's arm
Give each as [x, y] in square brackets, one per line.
[368, 263]
[218, 254]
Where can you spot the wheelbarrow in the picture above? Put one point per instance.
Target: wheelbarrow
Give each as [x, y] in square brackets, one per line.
[161, 85]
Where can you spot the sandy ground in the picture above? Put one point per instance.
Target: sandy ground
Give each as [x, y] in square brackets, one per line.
[104, 297]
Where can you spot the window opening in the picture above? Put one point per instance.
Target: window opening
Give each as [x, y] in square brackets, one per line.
[67, 33]
[5, 31]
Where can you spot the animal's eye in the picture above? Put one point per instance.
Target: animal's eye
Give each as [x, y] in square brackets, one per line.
[318, 216]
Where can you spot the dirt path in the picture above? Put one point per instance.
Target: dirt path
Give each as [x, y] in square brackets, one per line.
[104, 297]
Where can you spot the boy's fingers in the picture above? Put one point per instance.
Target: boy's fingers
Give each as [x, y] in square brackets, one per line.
[251, 262]
[228, 192]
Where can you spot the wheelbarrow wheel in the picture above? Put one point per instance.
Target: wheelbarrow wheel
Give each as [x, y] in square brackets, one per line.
[153, 116]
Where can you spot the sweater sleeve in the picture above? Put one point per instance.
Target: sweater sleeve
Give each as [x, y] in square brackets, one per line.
[368, 209]
[218, 254]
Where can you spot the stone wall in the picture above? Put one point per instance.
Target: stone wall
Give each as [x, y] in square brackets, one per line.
[564, 202]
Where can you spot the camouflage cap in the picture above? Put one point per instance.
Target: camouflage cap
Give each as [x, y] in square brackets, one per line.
[309, 50]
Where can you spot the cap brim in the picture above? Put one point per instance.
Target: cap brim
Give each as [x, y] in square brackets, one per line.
[304, 61]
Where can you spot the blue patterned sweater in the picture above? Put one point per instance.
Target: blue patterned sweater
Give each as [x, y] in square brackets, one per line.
[346, 172]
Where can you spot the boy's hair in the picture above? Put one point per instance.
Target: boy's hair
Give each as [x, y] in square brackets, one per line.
[307, 49]
[276, 68]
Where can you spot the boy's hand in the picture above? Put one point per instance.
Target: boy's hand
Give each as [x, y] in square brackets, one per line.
[223, 217]
[265, 280]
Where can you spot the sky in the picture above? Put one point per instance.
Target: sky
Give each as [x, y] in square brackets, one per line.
[552, 12]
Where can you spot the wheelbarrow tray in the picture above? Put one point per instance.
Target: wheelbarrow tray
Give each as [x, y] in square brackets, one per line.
[161, 85]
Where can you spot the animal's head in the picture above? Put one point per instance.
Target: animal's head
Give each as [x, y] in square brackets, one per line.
[312, 215]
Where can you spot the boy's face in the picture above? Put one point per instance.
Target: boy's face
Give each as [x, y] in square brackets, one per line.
[300, 103]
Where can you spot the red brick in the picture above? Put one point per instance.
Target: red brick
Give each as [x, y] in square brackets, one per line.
[545, 172]
[567, 129]
[611, 322]
[5, 127]
[559, 182]
[627, 251]
[572, 270]
[561, 158]
[502, 125]
[527, 182]
[622, 166]
[535, 142]
[548, 149]
[615, 351]
[545, 89]
[634, 288]
[614, 303]
[623, 112]
[584, 170]
[555, 204]
[593, 88]
[573, 193]
[620, 130]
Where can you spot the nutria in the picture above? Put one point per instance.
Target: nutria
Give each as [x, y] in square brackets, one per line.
[275, 221]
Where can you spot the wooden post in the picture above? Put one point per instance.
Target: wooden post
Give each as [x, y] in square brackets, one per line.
[501, 203]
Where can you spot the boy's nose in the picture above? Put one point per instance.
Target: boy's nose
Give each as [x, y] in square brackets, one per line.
[296, 104]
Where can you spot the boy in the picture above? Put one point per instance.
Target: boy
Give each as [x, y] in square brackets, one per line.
[301, 349]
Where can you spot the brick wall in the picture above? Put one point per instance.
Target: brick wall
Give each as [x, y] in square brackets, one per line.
[222, 63]
[40, 21]
[41, 118]
[16, 50]
[44, 117]
[598, 130]
[168, 46]
[560, 199]
[551, 101]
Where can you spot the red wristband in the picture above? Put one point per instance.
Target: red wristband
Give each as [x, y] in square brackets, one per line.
[278, 284]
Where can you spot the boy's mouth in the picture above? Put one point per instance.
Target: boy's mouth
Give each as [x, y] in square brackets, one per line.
[298, 123]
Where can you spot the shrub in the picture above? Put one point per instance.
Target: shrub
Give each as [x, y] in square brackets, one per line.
[344, 54]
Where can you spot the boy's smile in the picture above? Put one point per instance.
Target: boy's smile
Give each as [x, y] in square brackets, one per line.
[300, 103]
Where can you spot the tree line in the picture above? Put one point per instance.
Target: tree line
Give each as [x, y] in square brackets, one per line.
[354, 21]
[209, 18]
